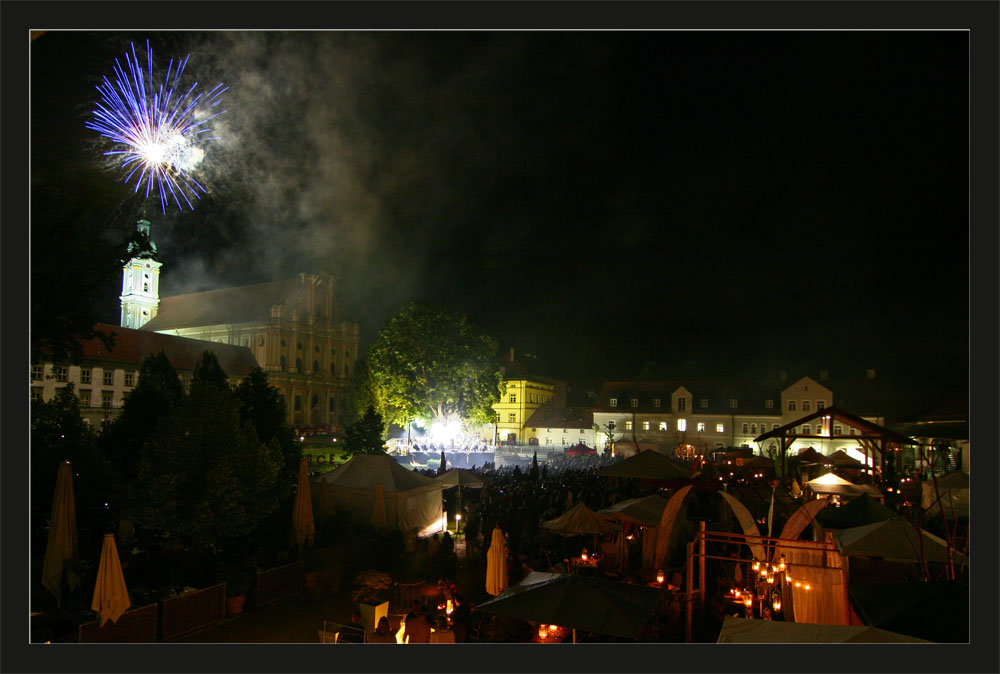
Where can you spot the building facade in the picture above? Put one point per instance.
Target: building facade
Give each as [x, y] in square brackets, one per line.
[525, 393]
[104, 377]
[684, 418]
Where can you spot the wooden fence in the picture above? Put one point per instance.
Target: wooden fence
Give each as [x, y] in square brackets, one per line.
[278, 583]
[192, 611]
[136, 626]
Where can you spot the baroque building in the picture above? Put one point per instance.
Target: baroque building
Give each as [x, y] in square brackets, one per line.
[292, 328]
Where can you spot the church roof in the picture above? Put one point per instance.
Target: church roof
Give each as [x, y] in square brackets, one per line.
[244, 304]
[132, 346]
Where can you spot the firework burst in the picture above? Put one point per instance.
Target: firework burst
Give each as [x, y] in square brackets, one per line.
[161, 127]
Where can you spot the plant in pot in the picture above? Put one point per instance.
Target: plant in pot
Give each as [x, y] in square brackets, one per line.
[238, 575]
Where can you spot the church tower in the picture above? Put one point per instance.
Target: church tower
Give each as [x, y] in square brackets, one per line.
[140, 282]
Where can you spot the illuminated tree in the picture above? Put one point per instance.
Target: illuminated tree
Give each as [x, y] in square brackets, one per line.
[433, 364]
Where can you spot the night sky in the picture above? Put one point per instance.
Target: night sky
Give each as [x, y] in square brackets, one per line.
[722, 203]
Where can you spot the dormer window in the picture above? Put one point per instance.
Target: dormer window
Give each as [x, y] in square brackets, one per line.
[681, 404]
[734, 403]
[656, 402]
[635, 402]
[613, 402]
[769, 403]
[704, 403]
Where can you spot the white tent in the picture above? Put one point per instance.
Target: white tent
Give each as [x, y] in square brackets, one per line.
[412, 501]
[833, 484]
[893, 540]
[954, 494]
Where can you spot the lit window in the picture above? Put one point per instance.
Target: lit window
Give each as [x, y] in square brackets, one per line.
[733, 403]
[663, 425]
[806, 429]
[805, 406]
[656, 402]
[613, 402]
[513, 397]
[682, 424]
[628, 425]
[774, 426]
[36, 372]
[108, 378]
[130, 378]
[720, 428]
[681, 404]
[746, 429]
[820, 404]
[645, 425]
[635, 402]
[513, 418]
[769, 404]
[85, 376]
[701, 426]
[837, 430]
[61, 373]
[791, 405]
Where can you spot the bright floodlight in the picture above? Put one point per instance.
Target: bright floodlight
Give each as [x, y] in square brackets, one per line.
[445, 432]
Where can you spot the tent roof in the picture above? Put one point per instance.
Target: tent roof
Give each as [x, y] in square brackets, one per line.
[459, 477]
[833, 484]
[579, 602]
[580, 520]
[892, 540]
[366, 471]
[746, 631]
[842, 458]
[858, 512]
[648, 464]
[647, 510]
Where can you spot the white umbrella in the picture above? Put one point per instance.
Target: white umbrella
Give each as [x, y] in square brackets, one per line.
[61, 549]
[110, 594]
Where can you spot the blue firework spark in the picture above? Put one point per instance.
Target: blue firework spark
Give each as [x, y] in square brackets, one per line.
[157, 129]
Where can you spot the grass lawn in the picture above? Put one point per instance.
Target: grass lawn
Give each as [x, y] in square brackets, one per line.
[324, 455]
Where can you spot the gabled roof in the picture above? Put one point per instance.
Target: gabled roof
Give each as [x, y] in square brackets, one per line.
[867, 428]
[245, 304]
[367, 471]
[580, 520]
[750, 396]
[132, 346]
[561, 417]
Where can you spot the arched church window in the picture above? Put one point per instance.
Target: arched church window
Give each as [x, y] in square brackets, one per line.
[315, 366]
[300, 346]
[283, 344]
[346, 370]
[316, 348]
[331, 404]
[298, 403]
[260, 342]
[282, 362]
[333, 369]
[298, 364]
[315, 401]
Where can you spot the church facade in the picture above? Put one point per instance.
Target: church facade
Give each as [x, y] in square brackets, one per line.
[291, 327]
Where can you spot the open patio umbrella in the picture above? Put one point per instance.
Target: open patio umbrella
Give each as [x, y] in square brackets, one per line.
[61, 552]
[496, 564]
[378, 512]
[579, 602]
[110, 594]
[302, 514]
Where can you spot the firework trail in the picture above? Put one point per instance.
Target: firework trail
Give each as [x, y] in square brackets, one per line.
[161, 126]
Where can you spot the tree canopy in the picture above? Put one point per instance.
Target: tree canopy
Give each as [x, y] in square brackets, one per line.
[432, 363]
[365, 436]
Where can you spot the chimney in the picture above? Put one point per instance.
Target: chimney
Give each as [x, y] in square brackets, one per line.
[512, 354]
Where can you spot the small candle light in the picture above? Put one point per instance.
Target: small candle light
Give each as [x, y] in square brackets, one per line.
[808, 586]
[659, 577]
[788, 578]
[543, 631]
[776, 601]
[798, 584]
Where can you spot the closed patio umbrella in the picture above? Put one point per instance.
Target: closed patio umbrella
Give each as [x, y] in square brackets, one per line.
[61, 552]
[110, 594]
[302, 514]
[496, 564]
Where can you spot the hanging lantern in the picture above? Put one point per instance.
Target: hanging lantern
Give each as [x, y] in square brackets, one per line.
[770, 579]
[782, 562]
[660, 577]
[543, 631]
[756, 566]
[776, 601]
